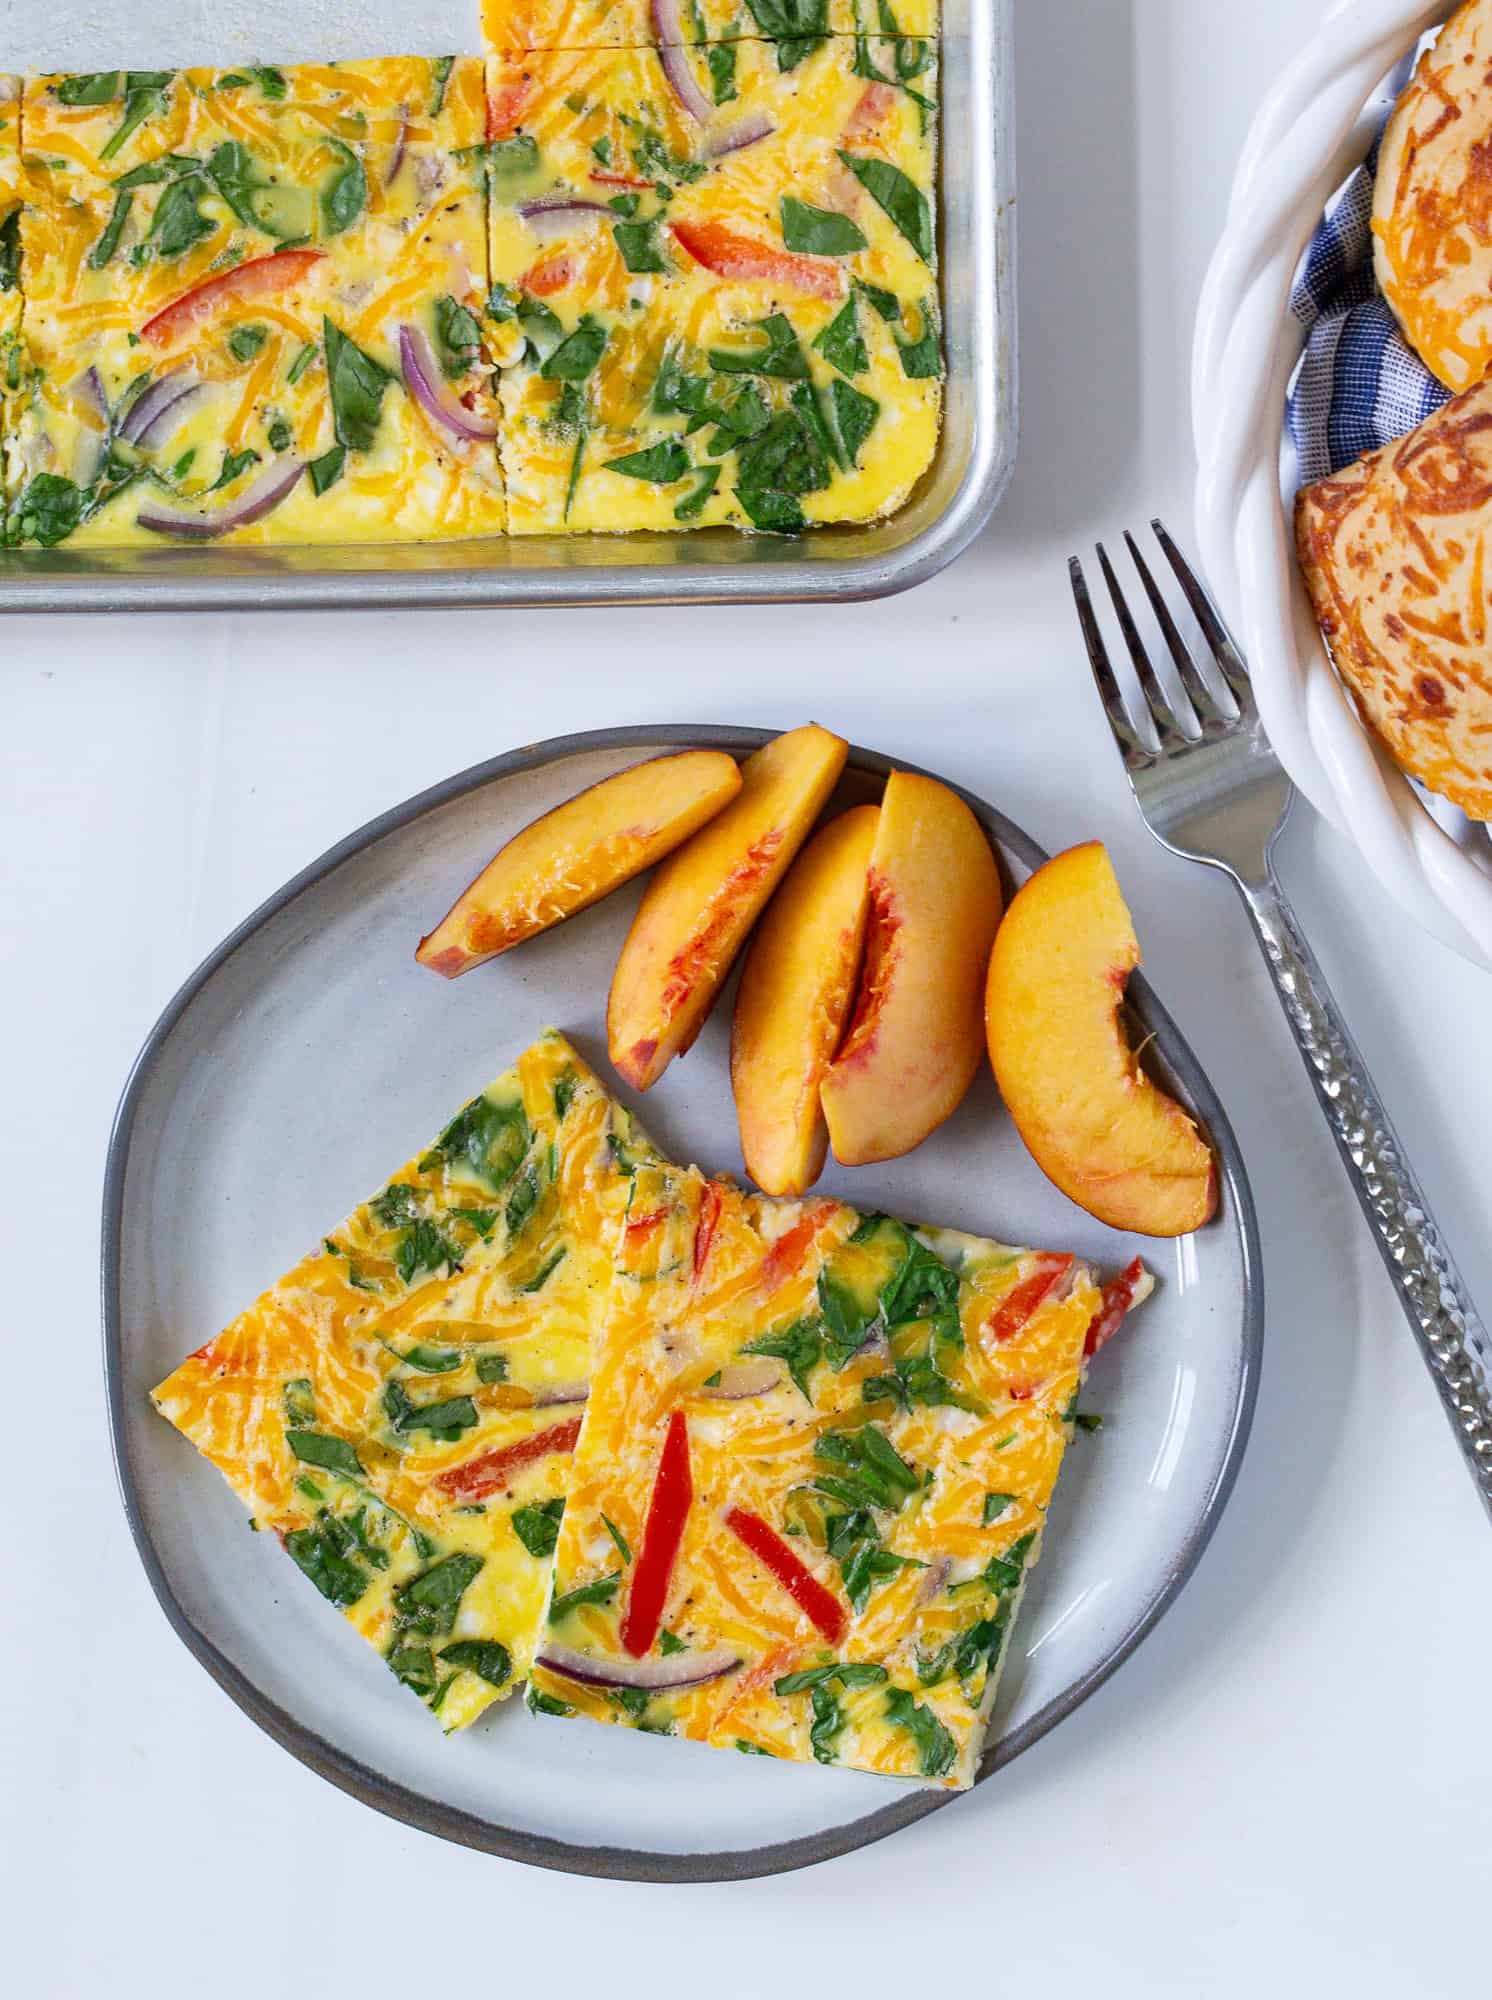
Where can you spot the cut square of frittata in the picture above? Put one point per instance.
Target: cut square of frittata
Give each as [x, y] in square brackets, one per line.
[10, 272]
[795, 27]
[253, 308]
[722, 318]
[401, 1407]
[813, 1477]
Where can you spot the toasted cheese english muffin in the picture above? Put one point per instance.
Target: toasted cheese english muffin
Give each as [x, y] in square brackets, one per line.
[400, 1408]
[812, 1479]
[252, 307]
[1394, 550]
[729, 319]
[1432, 202]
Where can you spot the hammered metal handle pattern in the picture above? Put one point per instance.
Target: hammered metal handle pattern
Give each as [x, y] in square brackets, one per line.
[1452, 1338]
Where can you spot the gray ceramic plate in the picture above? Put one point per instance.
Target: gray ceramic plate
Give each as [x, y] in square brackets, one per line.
[309, 1054]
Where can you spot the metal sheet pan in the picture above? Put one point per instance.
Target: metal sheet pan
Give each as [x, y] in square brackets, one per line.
[975, 454]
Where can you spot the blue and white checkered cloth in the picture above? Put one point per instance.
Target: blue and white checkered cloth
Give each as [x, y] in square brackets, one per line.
[1359, 383]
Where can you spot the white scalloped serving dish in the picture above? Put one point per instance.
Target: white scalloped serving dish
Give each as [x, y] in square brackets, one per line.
[1310, 132]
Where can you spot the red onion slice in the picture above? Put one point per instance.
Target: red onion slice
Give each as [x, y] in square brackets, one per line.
[257, 500]
[552, 214]
[153, 403]
[88, 388]
[560, 1392]
[753, 1377]
[933, 1582]
[396, 159]
[424, 381]
[745, 132]
[668, 33]
[681, 1670]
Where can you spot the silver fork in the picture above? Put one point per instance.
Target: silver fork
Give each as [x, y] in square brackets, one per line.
[1213, 791]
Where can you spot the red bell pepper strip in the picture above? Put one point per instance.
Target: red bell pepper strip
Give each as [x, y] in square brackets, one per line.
[730, 255]
[1118, 1297]
[254, 280]
[505, 106]
[618, 180]
[549, 275]
[673, 1494]
[485, 1474]
[1022, 1300]
[705, 1226]
[802, 1586]
[787, 1253]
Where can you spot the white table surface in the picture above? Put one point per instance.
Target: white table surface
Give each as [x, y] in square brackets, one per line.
[1287, 1789]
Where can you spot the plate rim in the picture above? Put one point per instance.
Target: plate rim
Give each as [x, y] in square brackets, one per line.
[454, 1823]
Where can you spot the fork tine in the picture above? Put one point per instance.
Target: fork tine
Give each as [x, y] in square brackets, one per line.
[1229, 660]
[1136, 753]
[1172, 736]
[1203, 700]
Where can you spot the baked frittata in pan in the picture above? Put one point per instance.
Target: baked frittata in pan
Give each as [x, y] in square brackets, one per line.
[400, 1408]
[795, 27]
[813, 1477]
[10, 262]
[722, 308]
[252, 307]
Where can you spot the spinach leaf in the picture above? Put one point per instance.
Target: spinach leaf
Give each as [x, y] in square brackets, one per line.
[49, 509]
[922, 358]
[327, 470]
[637, 244]
[414, 1666]
[545, 1271]
[445, 1420]
[458, 336]
[423, 1248]
[492, 1367]
[331, 1454]
[440, 76]
[538, 1527]
[357, 383]
[623, 1549]
[565, 1086]
[841, 343]
[576, 356]
[270, 81]
[97, 87]
[232, 171]
[345, 195]
[503, 161]
[300, 1401]
[937, 1753]
[849, 1320]
[489, 1138]
[887, 304]
[786, 460]
[144, 95]
[797, 26]
[801, 1346]
[669, 1643]
[539, 1703]
[848, 1673]
[334, 1574]
[178, 223]
[522, 1201]
[1003, 1573]
[827, 1725]
[996, 1504]
[1088, 1420]
[428, 1602]
[432, 1360]
[301, 362]
[486, 1658]
[780, 355]
[482, 1220]
[821, 232]
[901, 198]
[113, 230]
[854, 417]
[660, 464]
[707, 477]
[720, 59]
[602, 1591]
[278, 432]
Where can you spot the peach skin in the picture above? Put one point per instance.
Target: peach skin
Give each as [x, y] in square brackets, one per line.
[579, 853]
[797, 986]
[915, 1038]
[1094, 1122]
[699, 906]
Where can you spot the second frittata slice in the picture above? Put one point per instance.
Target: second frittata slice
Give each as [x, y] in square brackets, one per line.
[813, 1477]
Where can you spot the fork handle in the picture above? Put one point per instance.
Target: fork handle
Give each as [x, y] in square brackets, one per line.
[1451, 1336]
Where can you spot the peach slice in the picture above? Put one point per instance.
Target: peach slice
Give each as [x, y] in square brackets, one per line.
[697, 909]
[915, 1040]
[1095, 1123]
[796, 990]
[579, 853]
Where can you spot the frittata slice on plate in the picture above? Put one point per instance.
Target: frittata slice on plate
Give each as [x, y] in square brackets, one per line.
[794, 26]
[253, 304]
[729, 317]
[11, 357]
[401, 1407]
[813, 1477]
